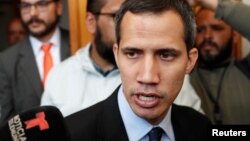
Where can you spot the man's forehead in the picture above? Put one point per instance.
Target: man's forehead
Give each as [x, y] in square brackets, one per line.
[112, 5]
[31, 1]
[204, 13]
[146, 21]
[208, 16]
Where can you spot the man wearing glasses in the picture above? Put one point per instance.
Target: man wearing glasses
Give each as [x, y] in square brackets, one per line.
[25, 66]
[91, 75]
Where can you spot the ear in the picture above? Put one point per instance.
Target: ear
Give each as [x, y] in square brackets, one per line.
[237, 45]
[59, 7]
[90, 22]
[115, 51]
[192, 58]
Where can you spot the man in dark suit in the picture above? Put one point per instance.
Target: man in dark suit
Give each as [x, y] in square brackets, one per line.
[154, 51]
[22, 71]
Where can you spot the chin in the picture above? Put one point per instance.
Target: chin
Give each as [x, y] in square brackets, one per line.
[148, 114]
[153, 119]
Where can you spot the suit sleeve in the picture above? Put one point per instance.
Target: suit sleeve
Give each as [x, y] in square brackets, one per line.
[5, 92]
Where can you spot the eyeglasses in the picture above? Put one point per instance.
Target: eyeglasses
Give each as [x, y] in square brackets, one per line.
[112, 15]
[41, 6]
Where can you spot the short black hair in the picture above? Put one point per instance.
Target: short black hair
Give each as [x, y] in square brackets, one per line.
[95, 6]
[181, 7]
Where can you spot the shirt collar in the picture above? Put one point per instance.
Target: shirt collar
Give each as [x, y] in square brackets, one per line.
[98, 68]
[136, 126]
[104, 73]
[36, 44]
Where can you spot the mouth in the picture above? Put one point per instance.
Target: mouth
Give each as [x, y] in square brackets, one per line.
[208, 46]
[147, 100]
[34, 24]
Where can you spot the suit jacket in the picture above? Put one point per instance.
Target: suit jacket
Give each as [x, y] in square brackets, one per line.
[20, 83]
[103, 121]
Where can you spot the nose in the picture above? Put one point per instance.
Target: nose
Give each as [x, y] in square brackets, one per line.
[33, 10]
[149, 72]
[208, 33]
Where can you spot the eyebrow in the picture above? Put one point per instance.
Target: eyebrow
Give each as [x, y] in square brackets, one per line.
[165, 49]
[169, 50]
[130, 49]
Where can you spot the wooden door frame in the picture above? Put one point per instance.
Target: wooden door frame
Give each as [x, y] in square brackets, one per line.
[79, 35]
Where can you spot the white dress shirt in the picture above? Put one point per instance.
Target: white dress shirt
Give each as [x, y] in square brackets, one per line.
[39, 54]
[137, 128]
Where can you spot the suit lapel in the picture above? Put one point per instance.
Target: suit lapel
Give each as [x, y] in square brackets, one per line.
[180, 129]
[27, 64]
[112, 127]
[65, 47]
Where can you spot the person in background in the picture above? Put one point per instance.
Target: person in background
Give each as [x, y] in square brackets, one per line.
[152, 61]
[15, 31]
[222, 85]
[25, 66]
[91, 75]
[233, 13]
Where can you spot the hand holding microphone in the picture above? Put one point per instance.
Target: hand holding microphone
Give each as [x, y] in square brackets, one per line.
[39, 124]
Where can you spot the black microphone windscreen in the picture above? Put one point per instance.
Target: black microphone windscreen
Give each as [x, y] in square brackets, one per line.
[44, 123]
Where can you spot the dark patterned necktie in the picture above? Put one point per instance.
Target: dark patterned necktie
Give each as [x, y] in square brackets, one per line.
[155, 134]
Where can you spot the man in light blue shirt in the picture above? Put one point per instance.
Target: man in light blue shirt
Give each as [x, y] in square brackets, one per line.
[153, 51]
[91, 75]
[139, 132]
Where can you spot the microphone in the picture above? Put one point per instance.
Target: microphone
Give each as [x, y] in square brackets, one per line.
[38, 124]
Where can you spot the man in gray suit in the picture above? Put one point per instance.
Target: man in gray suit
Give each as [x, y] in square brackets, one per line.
[24, 67]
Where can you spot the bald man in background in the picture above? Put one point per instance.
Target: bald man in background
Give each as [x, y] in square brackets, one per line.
[15, 31]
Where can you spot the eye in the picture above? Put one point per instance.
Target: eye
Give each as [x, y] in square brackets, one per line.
[200, 29]
[43, 3]
[132, 54]
[24, 5]
[217, 28]
[167, 55]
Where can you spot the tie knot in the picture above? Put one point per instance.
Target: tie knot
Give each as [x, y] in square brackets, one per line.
[155, 134]
[46, 47]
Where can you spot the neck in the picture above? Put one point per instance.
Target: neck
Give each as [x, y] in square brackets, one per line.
[215, 65]
[98, 60]
[47, 37]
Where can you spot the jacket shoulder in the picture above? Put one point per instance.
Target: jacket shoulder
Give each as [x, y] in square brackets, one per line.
[189, 124]
[10, 56]
[188, 114]
[82, 125]
[11, 51]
